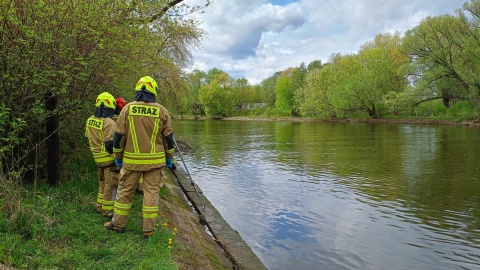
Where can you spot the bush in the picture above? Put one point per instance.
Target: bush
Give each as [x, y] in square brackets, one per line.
[463, 110]
[430, 109]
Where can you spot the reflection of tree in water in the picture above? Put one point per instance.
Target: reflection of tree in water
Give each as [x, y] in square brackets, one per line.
[422, 176]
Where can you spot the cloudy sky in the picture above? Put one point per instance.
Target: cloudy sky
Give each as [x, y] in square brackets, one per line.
[253, 39]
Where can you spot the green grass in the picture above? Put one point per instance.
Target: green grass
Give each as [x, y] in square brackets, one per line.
[58, 228]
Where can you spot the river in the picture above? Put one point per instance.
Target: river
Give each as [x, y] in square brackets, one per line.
[315, 195]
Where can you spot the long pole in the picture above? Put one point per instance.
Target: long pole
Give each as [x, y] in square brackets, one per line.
[186, 168]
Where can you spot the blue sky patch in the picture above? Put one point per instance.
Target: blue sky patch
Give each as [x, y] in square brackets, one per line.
[281, 2]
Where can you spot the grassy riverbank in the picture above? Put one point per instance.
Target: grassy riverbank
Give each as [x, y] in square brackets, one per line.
[58, 228]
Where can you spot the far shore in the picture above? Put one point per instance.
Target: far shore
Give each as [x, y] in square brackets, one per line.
[353, 120]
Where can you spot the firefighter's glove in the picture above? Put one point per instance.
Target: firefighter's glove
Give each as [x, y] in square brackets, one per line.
[119, 162]
[169, 163]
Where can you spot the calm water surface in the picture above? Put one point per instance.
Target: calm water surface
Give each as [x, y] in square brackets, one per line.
[343, 195]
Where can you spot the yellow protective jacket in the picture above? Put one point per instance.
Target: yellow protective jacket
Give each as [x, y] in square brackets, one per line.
[144, 125]
[98, 131]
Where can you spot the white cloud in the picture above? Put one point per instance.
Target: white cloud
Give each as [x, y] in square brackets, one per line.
[254, 39]
[235, 29]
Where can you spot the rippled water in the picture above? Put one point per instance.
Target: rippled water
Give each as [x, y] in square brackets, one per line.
[343, 195]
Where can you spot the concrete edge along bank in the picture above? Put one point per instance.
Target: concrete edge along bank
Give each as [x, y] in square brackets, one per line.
[235, 248]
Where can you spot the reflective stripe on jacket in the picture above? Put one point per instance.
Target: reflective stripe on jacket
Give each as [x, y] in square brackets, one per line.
[144, 126]
[98, 131]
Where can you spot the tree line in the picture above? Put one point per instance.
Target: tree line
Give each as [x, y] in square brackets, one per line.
[432, 70]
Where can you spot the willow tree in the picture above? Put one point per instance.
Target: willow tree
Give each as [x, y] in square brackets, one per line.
[445, 60]
[217, 96]
[215, 99]
[285, 92]
[345, 72]
[267, 90]
[242, 93]
[313, 96]
[191, 100]
[362, 80]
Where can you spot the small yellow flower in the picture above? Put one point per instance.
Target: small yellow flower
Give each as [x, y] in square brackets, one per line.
[165, 224]
[169, 247]
[174, 234]
[175, 229]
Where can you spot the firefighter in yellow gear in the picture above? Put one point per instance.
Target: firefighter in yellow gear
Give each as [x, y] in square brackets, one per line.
[144, 124]
[110, 190]
[99, 132]
[120, 104]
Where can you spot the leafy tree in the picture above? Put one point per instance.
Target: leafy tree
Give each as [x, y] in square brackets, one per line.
[285, 92]
[363, 80]
[313, 97]
[217, 95]
[215, 99]
[316, 64]
[242, 93]
[298, 81]
[214, 73]
[241, 83]
[346, 77]
[268, 92]
[196, 80]
[444, 52]
[257, 94]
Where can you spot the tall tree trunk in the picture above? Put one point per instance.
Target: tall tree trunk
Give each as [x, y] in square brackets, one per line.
[53, 142]
[446, 102]
[373, 112]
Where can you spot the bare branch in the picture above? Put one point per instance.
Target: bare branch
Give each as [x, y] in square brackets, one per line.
[164, 10]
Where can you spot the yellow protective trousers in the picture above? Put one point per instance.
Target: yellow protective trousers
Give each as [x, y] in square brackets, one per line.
[110, 189]
[101, 187]
[152, 182]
